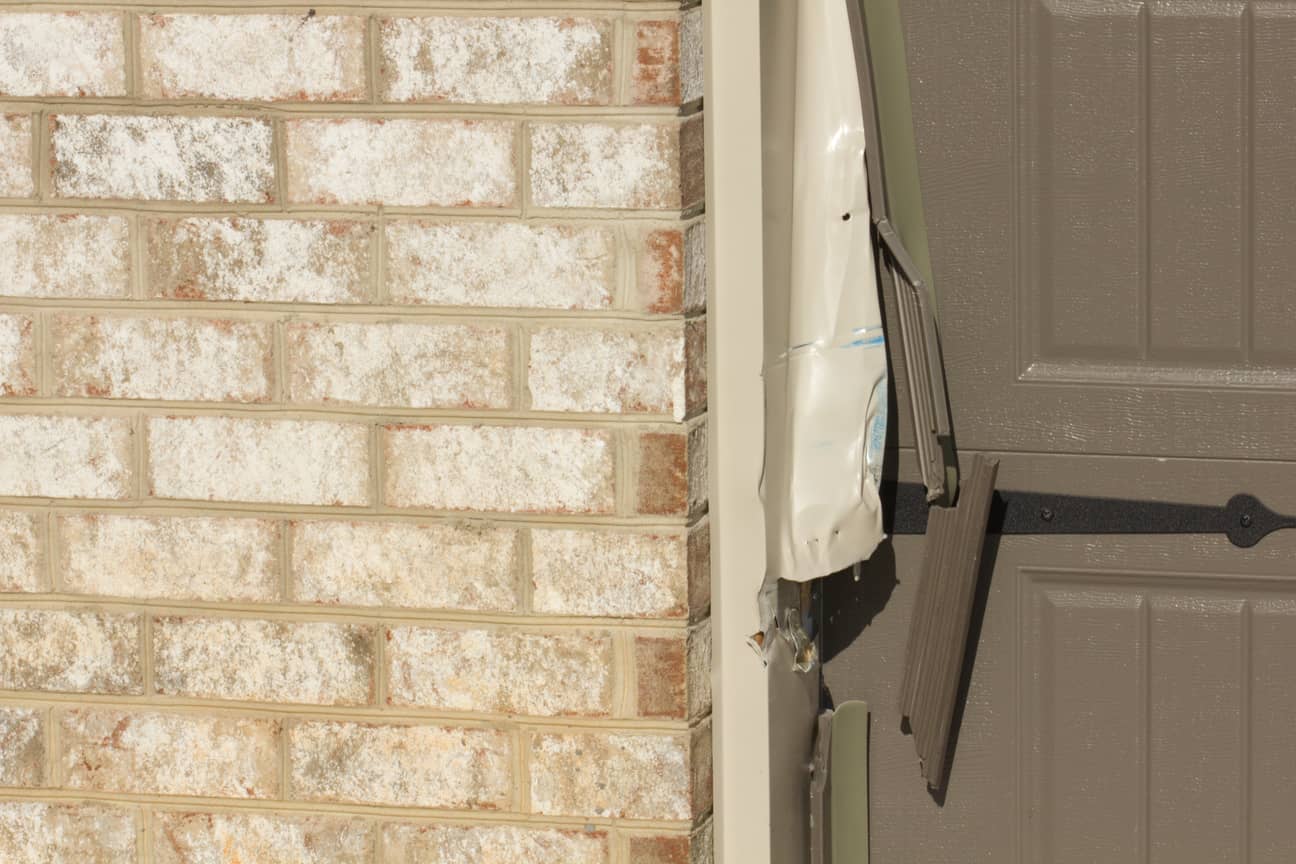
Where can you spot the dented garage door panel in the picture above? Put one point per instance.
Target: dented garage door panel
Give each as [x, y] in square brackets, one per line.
[1108, 190]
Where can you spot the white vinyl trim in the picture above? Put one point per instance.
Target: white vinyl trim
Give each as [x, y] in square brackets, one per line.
[736, 418]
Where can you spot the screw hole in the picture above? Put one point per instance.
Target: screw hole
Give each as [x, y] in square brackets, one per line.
[846, 217]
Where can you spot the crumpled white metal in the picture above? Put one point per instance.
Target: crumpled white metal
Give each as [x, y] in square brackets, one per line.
[826, 389]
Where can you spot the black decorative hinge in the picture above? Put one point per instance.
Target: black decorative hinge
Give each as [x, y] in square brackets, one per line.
[1244, 519]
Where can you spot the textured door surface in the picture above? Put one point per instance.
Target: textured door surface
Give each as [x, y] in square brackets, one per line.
[1110, 189]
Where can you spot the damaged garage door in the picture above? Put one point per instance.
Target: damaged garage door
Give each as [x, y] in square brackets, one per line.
[1108, 194]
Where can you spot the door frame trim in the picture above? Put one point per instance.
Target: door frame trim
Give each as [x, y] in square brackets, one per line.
[735, 413]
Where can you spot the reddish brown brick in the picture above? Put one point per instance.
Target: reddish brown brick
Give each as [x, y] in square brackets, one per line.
[663, 473]
[655, 71]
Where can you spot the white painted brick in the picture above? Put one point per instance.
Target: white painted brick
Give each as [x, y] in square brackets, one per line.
[273, 461]
[604, 165]
[493, 844]
[497, 60]
[500, 671]
[22, 747]
[65, 457]
[188, 359]
[403, 161]
[501, 468]
[501, 264]
[406, 565]
[231, 838]
[70, 652]
[400, 765]
[400, 364]
[162, 158]
[17, 355]
[21, 555]
[618, 574]
[617, 775]
[64, 256]
[259, 260]
[155, 753]
[170, 557]
[607, 371]
[62, 54]
[313, 663]
[39, 833]
[16, 178]
[253, 57]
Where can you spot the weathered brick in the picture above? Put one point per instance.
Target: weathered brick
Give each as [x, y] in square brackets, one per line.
[229, 838]
[695, 267]
[400, 765]
[494, 844]
[400, 364]
[619, 574]
[501, 671]
[502, 468]
[698, 669]
[662, 682]
[277, 461]
[604, 165]
[62, 54]
[154, 753]
[252, 57]
[16, 178]
[64, 256]
[313, 663]
[501, 264]
[186, 359]
[259, 260]
[70, 652]
[663, 474]
[692, 71]
[674, 673]
[65, 457]
[607, 371]
[655, 68]
[699, 568]
[168, 557]
[403, 161]
[670, 270]
[621, 775]
[497, 60]
[387, 564]
[17, 355]
[672, 472]
[695, 366]
[39, 833]
[21, 555]
[695, 848]
[162, 158]
[659, 272]
[22, 748]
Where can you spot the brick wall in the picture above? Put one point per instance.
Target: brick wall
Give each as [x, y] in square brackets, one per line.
[352, 441]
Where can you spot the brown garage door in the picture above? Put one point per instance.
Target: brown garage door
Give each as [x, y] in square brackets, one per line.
[1111, 195]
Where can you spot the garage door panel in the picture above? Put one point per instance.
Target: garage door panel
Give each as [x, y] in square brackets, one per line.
[1086, 667]
[1274, 126]
[1271, 792]
[1198, 727]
